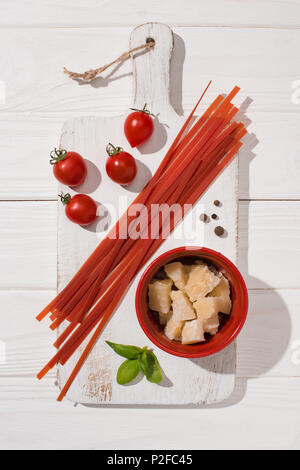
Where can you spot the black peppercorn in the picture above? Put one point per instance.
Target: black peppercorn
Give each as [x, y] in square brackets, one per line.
[204, 218]
[217, 203]
[219, 231]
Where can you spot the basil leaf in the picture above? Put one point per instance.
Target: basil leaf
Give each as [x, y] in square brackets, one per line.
[150, 366]
[137, 358]
[130, 352]
[128, 371]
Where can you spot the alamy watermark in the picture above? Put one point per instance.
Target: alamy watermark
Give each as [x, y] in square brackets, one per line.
[2, 352]
[296, 352]
[296, 93]
[156, 221]
[2, 92]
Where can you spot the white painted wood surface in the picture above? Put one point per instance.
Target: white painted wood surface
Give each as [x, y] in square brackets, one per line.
[254, 43]
[252, 418]
[37, 102]
[257, 58]
[269, 345]
[28, 345]
[101, 13]
[269, 250]
[206, 380]
[30, 250]
[28, 244]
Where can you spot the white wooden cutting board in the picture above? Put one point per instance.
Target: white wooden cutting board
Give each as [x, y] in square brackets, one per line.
[201, 381]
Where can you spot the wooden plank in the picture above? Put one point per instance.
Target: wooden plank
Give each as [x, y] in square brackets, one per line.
[268, 401]
[261, 414]
[248, 60]
[198, 13]
[261, 61]
[269, 253]
[28, 245]
[25, 344]
[28, 240]
[211, 379]
[269, 344]
[32, 88]
[22, 389]
[269, 161]
[26, 142]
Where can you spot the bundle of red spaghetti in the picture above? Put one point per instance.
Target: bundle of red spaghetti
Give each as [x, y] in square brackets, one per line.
[193, 161]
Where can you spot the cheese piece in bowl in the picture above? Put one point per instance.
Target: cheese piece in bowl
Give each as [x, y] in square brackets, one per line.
[192, 332]
[201, 282]
[160, 295]
[173, 329]
[222, 292]
[177, 273]
[207, 307]
[211, 325]
[181, 306]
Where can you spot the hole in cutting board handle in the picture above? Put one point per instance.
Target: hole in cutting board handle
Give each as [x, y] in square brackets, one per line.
[150, 40]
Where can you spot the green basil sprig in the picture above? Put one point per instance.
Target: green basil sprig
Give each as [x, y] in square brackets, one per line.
[136, 359]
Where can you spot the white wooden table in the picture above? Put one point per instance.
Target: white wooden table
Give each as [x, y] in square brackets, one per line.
[254, 44]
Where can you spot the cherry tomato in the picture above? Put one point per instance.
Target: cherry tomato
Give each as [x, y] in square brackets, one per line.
[68, 167]
[138, 126]
[120, 165]
[80, 209]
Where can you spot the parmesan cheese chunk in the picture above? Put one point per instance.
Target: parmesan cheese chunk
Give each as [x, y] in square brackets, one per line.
[207, 307]
[222, 292]
[201, 281]
[159, 295]
[211, 325]
[181, 306]
[177, 273]
[173, 329]
[192, 332]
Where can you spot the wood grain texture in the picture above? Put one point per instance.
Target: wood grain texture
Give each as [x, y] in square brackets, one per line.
[25, 343]
[28, 252]
[269, 345]
[261, 414]
[200, 381]
[28, 344]
[28, 245]
[37, 101]
[269, 253]
[26, 142]
[269, 163]
[193, 13]
[262, 61]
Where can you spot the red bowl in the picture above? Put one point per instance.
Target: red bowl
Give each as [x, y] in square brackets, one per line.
[231, 324]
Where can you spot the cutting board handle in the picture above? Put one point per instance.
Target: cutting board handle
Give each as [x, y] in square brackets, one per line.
[151, 68]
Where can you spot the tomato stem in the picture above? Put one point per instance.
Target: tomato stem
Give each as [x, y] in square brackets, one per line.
[57, 155]
[144, 110]
[65, 198]
[112, 150]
